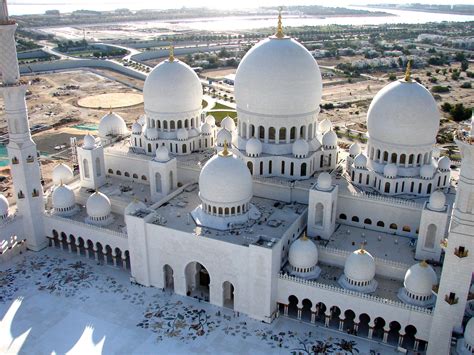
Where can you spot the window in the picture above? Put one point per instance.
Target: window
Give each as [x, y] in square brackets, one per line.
[342, 216]
[355, 219]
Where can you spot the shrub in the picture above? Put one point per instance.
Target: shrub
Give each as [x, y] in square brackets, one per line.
[460, 113]
[439, 89]
[466, 85]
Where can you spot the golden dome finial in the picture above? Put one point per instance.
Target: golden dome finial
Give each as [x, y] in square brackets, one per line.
[61, 182]
[362, 248]
[279, 32]
[408, 71]
[110, 108]
[225, 152]
[171, 57]
[423, 263]
[305, 237]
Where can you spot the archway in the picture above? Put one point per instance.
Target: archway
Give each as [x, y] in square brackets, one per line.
[197, 281]
[228, 294]
[394, 333]
[292, 306]
[321, 313]
[306, 310]
[319, 214]
[168, 278]
[335, 312]
[349, 317]
[409, 337]
[378, 332]
[363, 328]
[158, 182]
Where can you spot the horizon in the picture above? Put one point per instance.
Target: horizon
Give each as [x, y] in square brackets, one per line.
[39, 7]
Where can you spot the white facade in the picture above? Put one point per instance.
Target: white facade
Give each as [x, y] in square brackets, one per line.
[226, 228]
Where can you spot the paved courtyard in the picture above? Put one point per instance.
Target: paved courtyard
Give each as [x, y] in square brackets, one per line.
[55, 302]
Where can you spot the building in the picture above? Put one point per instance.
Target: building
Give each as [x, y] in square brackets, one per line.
[267, 216]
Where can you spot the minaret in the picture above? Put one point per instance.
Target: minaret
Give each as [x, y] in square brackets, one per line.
[22, 152]
[458, 264]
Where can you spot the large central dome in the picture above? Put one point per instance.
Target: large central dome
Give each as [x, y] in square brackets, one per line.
[278, 76]
[403, 113]
[172, 87]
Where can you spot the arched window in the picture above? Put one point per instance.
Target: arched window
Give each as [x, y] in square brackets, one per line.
[165, 124]
[342, 216]
[355, 219]
[149, 148]
[387, 187]
[385, 156]
[303, 169]
[135, 176]
[144, 178]
[293, 133]
[184, 149]
[172, 125]
[86, 168]
[118, 172]
[271, 134]
[403, 159]
[252, 130]
[406, 229]
[126, 174]
[430, 236]
[319, 214]
[270, 167]
[394, 158]
[261, 168]
[180, 124]
[110, 171]
[261, 132]
[97, 167]
[393, 226]
[283, 168]
[292, 168]
[250, 166]
[367, 221]
[282, 135]
[380, 224]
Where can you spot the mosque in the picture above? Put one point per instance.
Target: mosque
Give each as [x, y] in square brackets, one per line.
[265, 214]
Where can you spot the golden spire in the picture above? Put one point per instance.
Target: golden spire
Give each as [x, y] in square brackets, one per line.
[279, 32]
[305, 237]
[61, 182]
[110, 108]
[424, 263]
[171, 57]
[408, 71]
[362, 249]
[225, 152]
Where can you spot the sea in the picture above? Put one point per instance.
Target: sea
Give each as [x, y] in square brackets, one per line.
[237, 22]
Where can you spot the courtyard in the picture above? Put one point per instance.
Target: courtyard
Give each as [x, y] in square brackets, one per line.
[56, 302]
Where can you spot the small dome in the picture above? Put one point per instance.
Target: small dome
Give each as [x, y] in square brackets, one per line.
[303, 254]
[162, 154]
[223, 136]
[89, 142]
[330, 139]
[444, 163]
[182, 134]
[469, 333]
[300, 148]
[354, 149]
[136, 128]
[360, 266]
[62, 174]
[253, 147]
[112, 124]
[225, 180]
[427, 171]
[211, 120]
[360, 161]
[325, 125]
[63, 197]
[324, 181]
[206, 128]
[134, 206]
[193, 132]
[228, 123]
[151, 133]
[98, 205]
[419, 279]
[172, 87]
[4, 205]
[390, 171]
[437, 201]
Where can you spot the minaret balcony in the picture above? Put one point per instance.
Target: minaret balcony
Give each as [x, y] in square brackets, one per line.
[461, 252]
[451, 299]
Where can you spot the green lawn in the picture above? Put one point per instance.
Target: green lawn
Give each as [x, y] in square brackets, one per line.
[220, 115]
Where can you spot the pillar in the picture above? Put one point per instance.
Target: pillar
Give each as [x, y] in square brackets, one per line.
[416, 345]
[356, 327]
[385, 336]
[400, 340]
[87, 252]
[78, 249]
[96, 256]
[114, 258]
[286, 310]
[299, 313]
[326, 320]
[124, 263]
[313, 317]
[341, 325]
[371, 332]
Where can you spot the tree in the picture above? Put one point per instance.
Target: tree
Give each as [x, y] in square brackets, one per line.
[464, 65]
[446, 107]
[460, 113]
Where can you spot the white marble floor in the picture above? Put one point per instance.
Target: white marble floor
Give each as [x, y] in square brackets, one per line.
[55, 302]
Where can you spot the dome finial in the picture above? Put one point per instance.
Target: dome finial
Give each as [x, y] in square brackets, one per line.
[110, 108]
[362, 248]
[225, 152]
[423, 263]
[305, 237]
[408, 71]
[171, 57]
[279, 32]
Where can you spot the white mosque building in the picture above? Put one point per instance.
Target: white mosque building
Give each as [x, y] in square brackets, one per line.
[266, 215]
